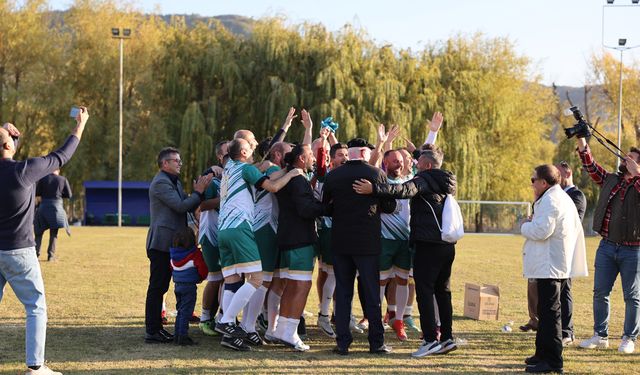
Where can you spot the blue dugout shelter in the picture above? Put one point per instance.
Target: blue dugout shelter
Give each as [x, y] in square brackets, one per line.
[101, 202]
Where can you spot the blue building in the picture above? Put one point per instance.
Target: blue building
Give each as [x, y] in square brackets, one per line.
[101, 202]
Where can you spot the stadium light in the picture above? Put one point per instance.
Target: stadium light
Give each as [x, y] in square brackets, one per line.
[126, 34]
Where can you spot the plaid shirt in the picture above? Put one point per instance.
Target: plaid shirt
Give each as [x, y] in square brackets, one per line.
[598, 175]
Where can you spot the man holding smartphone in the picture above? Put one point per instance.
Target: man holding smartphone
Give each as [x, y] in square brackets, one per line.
[18, 262]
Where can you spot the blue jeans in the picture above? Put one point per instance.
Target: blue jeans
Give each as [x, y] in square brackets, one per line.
[186, 294]
[612, 259]
[20, 268]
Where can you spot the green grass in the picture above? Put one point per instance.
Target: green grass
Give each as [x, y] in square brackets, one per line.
[96, 293]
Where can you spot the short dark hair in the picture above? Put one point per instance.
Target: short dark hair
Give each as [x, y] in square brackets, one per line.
[434, 154]
[291, 157]
[264, 146]
[335, 148]
[635, 149]
[165, 153]
[218, 149]
[184, 238]
[388, 152]
[549, 173]
[235, 148]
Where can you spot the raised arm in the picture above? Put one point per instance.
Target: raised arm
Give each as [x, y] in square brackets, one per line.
[308, 127]
[282, 132]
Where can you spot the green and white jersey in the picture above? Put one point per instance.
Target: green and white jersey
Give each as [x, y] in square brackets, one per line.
[209, 219]
[395, 226]
[236, 194]
[266, 208]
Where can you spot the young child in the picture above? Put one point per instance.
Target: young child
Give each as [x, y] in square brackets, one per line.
[189, 269]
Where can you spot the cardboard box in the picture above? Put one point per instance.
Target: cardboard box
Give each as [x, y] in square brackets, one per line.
[481, 302]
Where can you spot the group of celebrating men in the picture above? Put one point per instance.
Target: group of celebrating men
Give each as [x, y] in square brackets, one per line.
[262, 223]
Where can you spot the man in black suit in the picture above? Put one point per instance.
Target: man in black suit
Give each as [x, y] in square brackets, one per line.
[169, 206]
[566, 300]
[355, 219]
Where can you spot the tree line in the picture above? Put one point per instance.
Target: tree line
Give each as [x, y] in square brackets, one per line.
[190, 86]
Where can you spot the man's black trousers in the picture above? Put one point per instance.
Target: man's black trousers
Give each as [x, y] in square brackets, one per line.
[159, 279]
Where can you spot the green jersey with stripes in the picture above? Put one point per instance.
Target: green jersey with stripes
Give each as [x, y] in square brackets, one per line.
[209, 219]
[266, 208]
[395, 226]
[236, 194]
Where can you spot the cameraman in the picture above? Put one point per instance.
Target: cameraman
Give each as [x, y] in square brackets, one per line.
[617, 220]
[18, 262]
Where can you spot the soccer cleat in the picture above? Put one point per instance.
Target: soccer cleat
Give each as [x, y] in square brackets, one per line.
[302, 328]
[253, 338]
[398, 327]
[426, 348]
[297, 346]
[208, 328]
[410, 323]
[231, 329]
[324, 324]
[261, 323]
[271, 339]
[166, 334]
[447, 347]
[595, 342]
[627, 345]
[235, 343]
[566, 341]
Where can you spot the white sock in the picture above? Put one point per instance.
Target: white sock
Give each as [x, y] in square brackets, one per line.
[253, 308]
[164, 306]
[437, 311]
[408, 310]
[227, 297]
[281, 327]
[402, 296]
[382, 289]
[327, 294]
[391, 308]
[292, 330]
[205, 315]
[237, 303]
[273, 308]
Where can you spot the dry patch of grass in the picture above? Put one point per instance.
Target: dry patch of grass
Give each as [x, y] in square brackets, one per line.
[96, 294]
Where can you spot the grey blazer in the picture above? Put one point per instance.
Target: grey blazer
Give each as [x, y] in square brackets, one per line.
[169, 206]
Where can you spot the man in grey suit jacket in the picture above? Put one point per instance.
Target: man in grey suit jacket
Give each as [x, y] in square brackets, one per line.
[169, 206]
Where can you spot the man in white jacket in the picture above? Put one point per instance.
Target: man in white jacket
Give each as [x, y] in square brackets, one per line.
[553, 252]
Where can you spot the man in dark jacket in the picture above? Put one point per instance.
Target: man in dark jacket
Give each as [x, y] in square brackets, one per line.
[433, 257]
[298, 210]
[356, 220]
[169, 206]
[50, 213]
[18, 262]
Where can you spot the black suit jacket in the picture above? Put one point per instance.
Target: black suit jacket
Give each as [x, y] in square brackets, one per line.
[579, 200]
[298, 209]
[356, 218]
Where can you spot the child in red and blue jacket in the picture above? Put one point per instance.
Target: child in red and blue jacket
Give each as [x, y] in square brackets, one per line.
[189, 269]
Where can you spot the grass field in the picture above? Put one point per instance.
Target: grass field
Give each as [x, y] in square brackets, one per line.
[96, 293]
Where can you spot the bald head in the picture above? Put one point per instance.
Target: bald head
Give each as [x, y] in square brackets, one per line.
[248, 136]
[239, 149]
[8, 146]
[277, 153]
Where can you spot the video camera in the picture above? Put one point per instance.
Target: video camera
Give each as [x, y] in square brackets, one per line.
[581, 129]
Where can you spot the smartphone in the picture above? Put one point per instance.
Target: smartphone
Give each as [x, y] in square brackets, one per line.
[74, 112]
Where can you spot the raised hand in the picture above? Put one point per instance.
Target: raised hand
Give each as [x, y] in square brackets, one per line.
[436, 122]
[324, 133]
[201, 184]
[382, 135]
[306, 119]
[410, 146]
[13, 131]
[290, 116]
[393, 133]
[632, 166]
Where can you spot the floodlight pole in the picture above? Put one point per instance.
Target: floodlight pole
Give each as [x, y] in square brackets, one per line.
[115, 33]
[620, 110]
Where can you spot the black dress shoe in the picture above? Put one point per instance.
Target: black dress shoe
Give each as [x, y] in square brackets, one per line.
[543, 368]
[184, 341]
[528, 327]
[381, 350]
[156, 338]
[340, 351]
[533, 360]
[166, 334]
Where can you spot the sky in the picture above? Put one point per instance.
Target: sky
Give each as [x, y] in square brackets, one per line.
[559, 36]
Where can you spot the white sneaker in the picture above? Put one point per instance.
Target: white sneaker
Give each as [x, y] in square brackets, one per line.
[595, 342]
[43, 370]
[426, 348]
[627, 345]
[355, 326]
[566, 341]
[324, 323]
